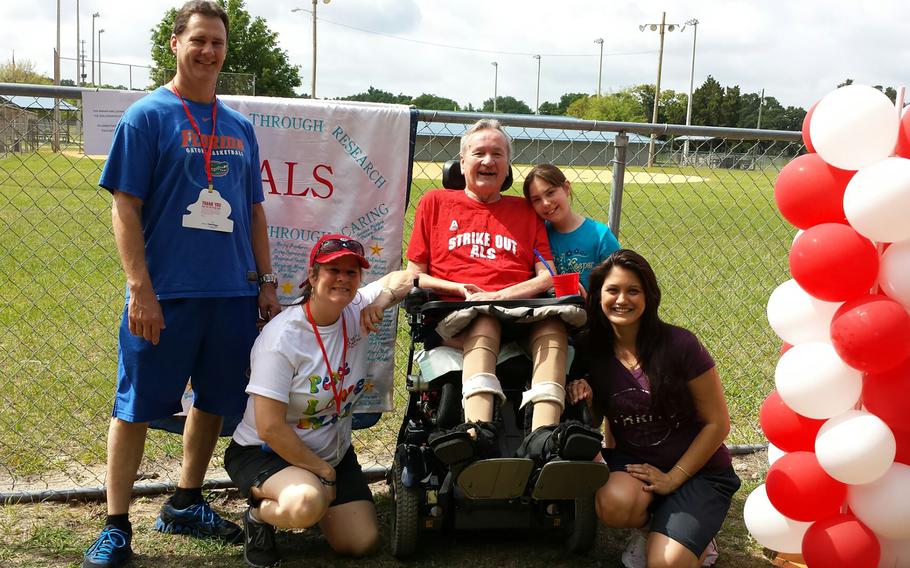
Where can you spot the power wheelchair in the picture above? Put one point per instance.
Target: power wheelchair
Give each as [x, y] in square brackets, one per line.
[481, 493]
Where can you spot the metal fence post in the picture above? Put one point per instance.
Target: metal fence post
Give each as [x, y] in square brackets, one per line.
[620, 143]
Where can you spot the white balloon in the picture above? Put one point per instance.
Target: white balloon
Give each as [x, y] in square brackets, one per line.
[813, 381]
[854, 126]
[855, 447]
[895, 553]
[894, 272]
[774, 454]
[877, 200]
[770, 528]
[884, 504]
[796, 317]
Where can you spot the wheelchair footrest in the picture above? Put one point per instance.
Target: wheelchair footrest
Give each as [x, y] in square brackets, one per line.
[500, 478]
[569, 479]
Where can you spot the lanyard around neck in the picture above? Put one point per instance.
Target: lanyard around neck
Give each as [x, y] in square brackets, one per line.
[325, 355]
[207, 148]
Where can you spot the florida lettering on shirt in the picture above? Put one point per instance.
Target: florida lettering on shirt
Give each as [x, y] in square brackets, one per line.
[483, 245]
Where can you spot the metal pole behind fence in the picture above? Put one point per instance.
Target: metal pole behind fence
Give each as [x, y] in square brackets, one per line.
[620, 143]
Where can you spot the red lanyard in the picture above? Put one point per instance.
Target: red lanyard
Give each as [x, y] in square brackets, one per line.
[325, 356]
[208, 150]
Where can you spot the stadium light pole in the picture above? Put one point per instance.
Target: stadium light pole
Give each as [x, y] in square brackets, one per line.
[495, 65]
[313, 76]
[600, 66]
[537, 103]
[76, 76]
[661, 28]
[101, 31]
[694, 23]
[94, 15]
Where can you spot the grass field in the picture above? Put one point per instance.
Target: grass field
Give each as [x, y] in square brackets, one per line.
[53, 535]
[718, 247]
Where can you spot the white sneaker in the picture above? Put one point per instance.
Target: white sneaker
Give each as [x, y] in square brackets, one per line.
[711, 556]
[635, 555]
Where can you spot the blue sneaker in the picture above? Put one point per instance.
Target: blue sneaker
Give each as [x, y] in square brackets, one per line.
[110, 549]
[198, 520]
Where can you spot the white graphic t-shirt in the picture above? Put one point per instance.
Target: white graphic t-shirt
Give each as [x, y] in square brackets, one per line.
[287, 365]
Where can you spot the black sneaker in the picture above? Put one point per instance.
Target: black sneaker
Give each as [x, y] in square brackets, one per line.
[259, 548]
[198, 520]
[110, 549]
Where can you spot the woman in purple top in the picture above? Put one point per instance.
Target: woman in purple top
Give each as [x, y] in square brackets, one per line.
[659, 390]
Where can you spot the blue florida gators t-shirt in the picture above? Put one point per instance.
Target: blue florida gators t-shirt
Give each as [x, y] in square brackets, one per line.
[582, 249]
[158, 157]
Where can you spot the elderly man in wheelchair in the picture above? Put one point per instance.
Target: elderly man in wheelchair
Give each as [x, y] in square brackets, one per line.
[483, 255]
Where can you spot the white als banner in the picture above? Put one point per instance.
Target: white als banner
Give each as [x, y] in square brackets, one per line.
[327, 167]
[330, 167]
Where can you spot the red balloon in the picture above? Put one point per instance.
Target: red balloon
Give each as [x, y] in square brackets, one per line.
[784, 347]
[834, 263]
[887, 395]
[789, 431]
[808, 192]
[800, 489]
[902, 148]
[871, 333]
[841, 541]
[902, 437]
[806, 140]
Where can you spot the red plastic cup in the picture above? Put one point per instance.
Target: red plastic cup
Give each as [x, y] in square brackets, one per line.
[566, 284]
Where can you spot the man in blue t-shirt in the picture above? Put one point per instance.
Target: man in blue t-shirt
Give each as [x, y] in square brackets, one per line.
[192, 236]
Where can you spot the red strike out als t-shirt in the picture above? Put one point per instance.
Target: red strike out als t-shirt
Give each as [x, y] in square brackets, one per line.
[490, 245]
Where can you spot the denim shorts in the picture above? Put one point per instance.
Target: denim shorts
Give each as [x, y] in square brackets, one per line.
[694, 513]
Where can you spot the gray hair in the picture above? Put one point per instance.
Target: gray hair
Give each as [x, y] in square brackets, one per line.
[485, 124]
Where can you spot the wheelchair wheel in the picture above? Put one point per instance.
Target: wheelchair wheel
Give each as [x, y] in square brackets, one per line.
[581, 531]
[405, 512]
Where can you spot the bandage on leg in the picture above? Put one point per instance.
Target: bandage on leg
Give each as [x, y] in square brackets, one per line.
[549, 350]
[481, 348]
[480, 393]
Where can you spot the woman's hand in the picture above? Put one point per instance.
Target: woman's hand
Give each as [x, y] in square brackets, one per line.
[327, 473]
[655, 480]
[370, 318]
[580, 390]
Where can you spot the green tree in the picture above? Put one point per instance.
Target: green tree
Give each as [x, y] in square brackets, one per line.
[252, 50]
[22, 71]
[707, 101]
[672, 107]
[432, 102]
[562, 107]
[374, 95]
[622, 106]
[508, 105]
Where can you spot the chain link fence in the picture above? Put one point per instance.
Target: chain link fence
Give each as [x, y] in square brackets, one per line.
[703, 213]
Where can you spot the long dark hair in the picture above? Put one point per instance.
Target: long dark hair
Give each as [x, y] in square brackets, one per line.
[669, 394]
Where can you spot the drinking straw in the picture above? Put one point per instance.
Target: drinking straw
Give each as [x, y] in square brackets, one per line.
[545, 263]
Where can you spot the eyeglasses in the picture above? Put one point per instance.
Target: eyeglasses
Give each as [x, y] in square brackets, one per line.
[335, 245]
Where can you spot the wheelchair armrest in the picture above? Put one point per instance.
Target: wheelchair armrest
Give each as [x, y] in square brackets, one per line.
[417, 298]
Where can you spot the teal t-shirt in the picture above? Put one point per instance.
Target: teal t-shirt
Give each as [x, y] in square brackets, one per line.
[582, 249]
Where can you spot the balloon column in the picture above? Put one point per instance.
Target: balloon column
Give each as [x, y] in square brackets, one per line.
[838, 421]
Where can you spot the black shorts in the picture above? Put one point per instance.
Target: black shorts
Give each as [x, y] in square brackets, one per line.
[693, 514]
[250, 466]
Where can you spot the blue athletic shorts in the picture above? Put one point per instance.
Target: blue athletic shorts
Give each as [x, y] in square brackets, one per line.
[208, 339]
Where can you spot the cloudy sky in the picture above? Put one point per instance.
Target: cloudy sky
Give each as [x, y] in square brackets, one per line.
[796, 50]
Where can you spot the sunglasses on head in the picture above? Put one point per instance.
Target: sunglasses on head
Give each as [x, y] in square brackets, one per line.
[335, 245]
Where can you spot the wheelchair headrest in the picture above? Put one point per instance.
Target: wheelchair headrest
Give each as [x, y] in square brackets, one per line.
[452, 178]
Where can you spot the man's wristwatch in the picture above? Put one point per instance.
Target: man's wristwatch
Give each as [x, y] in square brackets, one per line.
[268, 278]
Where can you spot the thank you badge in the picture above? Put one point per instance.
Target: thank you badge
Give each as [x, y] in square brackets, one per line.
[210, 212]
